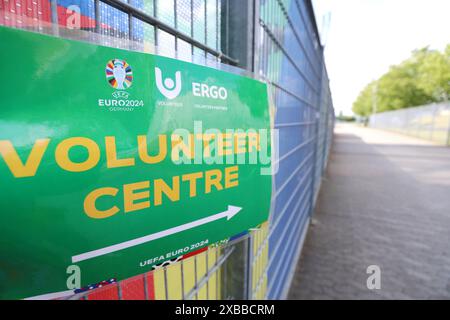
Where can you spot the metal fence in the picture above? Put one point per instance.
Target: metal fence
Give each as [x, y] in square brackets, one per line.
[291, 57]
[431, 122]
[273, 40]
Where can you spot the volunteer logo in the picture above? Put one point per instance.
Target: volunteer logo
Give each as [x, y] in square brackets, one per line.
[169, 88]
[119, 74]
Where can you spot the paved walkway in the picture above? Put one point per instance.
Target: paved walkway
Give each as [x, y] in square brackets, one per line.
[385, 201]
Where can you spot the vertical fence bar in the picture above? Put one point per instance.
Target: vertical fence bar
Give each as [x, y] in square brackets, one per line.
[130, 27]
[166, 283]
[248, 289]
[54, 17]
[182, 280]
[155, 14]
[192, 27]
[447, 110]
[218, 274]
[119, 291]
[196, 278]
[145, 286]
[175, 23]
[217, 27]
[206, 26]
[97, 16]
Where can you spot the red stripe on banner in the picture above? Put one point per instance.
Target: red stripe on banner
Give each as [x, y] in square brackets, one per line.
[16, 13]
[133, 288]
[11, 13]
[9, 16]
[12, 5]
[64, 14]
[19, 19]
[83, 21]
[46, 11]
[62, 18]
[34, 12]
[109, 292]
[25, 13]
[194, 253]
[150, 286]
[2, 13]
[39, 12]
[29, 9]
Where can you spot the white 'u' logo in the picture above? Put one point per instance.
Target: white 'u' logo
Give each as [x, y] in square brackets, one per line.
[169, 88]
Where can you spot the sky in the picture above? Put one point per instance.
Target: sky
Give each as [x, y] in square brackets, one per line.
[365, 37]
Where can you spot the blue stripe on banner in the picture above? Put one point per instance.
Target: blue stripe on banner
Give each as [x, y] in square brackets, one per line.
[86, 6]
[238, 236]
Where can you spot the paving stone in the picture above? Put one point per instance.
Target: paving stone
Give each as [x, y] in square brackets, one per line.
[385, 201]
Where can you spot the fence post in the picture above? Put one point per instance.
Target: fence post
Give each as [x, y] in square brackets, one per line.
[448, 126]
[54, 17]
[239, 40]
[317, 116]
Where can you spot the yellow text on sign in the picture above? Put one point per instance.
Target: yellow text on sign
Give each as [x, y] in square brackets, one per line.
[141, 195]
[221, 144]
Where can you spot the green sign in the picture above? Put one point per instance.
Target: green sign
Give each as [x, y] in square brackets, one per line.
[114, 161]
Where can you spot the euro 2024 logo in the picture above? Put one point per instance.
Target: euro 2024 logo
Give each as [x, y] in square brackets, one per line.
[119, 75]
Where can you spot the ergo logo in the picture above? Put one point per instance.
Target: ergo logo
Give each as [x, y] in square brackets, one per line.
[171, 89]
[214, 92]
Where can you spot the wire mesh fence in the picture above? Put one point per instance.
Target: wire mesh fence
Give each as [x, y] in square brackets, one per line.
[291, 58]
[194, 276]
[430, 122]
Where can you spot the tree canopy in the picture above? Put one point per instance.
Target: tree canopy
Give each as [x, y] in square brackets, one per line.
[421, 79]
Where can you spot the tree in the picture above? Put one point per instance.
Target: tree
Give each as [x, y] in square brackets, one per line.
[434, 75]
[364, 103]
[399, 89]
[423, 78]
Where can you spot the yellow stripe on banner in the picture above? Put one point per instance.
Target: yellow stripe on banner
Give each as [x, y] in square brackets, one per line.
[174, 282]
[254, 276]
[264, 288]
[265, 225]
[265, 254]
[160, 288]
[212, 258]
[219, 279]
[201, 271]
[255, 259]
[189, 274]
[260, 261]
[253, 235]
[255, 243]
[265, 259]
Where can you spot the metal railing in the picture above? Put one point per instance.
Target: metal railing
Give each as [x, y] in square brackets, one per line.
[133, 12]
[195, 277]
[292, 61]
